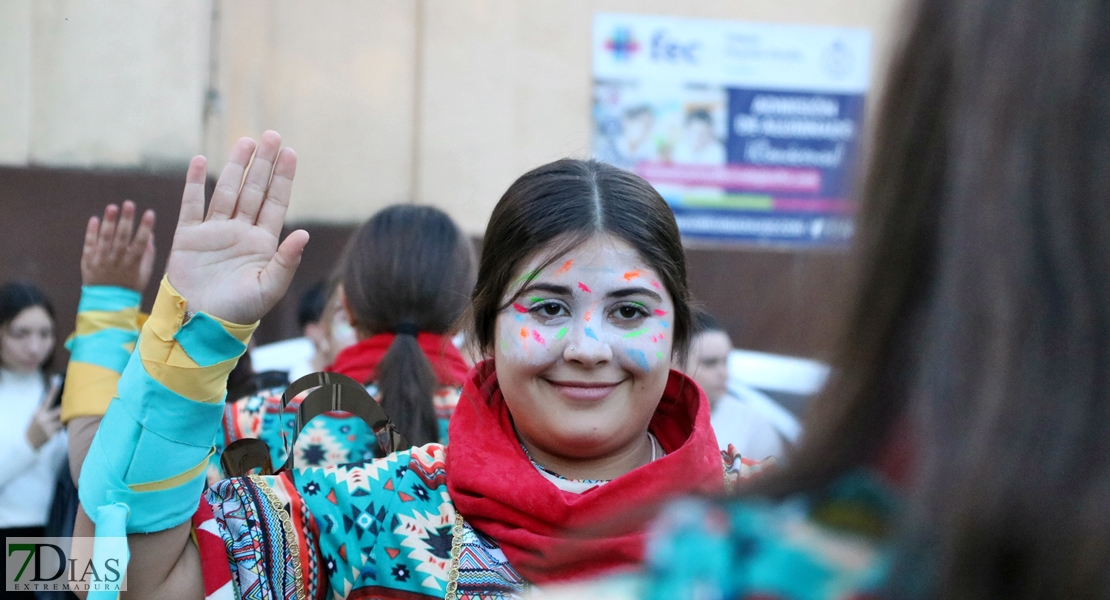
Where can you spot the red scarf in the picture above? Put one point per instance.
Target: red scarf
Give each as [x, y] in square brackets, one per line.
[551, 535]
[360, 361]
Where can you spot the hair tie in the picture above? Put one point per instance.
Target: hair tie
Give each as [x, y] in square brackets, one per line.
[406, 328]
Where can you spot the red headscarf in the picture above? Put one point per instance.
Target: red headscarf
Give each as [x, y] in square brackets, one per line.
[551, 535]
[360, 361]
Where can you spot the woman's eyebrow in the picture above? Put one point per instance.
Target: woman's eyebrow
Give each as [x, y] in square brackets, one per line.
[634, 291]
[550, 288]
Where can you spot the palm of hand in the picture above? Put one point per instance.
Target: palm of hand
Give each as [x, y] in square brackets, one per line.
[221, 263]
[229, 264]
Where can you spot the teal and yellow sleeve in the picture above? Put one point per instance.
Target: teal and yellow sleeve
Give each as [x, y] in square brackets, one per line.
[108, 322]
[146, 467]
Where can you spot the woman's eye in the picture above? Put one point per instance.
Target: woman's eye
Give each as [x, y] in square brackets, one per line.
[549, 310]
[631, 311]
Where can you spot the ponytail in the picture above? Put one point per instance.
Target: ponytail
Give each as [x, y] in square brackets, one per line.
[406, 383]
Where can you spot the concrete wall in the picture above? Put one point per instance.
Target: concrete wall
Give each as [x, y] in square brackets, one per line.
[113, 84]
[438, 101]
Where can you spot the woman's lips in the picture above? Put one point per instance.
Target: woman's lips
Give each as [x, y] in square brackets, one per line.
[583, 390]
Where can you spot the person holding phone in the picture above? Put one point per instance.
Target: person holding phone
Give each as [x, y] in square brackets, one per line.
[32, 445]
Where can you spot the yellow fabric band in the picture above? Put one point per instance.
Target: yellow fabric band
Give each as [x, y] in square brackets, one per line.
[165, 360]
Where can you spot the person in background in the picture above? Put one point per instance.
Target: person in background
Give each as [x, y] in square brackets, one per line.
[735, 422]
[309, 353]
[403, 283]
[960, 449]
[309, 312]
[32, 443]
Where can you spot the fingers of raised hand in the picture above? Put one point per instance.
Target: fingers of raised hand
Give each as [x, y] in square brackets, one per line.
[107, 229]
[278, 273]
[226, 194]
[92, 232]
[119, 242]
[192, 200]
[258, 177]
[271, 216]
[140, 243]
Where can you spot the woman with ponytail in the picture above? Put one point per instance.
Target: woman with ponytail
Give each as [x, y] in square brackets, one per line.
[404, 281]
[407, 277]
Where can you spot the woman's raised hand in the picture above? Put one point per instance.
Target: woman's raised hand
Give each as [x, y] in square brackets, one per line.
[228, 263]
[112, 255]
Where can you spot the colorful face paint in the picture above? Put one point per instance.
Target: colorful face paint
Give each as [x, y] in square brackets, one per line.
[586, 368]
[639, 358]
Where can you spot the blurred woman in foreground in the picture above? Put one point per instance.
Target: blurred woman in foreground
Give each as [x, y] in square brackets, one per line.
[961, 451]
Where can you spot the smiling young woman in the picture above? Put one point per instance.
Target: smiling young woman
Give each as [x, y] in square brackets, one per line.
[580, 307]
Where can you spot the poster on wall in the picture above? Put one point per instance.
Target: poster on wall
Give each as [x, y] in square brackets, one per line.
[750, 131]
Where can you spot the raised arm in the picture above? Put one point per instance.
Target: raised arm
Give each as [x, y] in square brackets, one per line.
[116, 262]
[226, 270]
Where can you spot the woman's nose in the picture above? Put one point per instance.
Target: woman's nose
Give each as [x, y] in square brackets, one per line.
[585, 346]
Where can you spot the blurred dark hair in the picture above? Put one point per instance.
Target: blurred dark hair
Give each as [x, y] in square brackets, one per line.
[559, 206]
[408, 267]
[704, 322]
[981, 322]
[312, 304]
[18, 296]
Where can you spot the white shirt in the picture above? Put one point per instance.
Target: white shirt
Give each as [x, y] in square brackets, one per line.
[293, 356]
[27, 475]
[736, 422]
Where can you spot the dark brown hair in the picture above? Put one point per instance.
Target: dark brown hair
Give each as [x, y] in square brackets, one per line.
[981, 322]
[408, 269]
[560, 205]
[18, 296]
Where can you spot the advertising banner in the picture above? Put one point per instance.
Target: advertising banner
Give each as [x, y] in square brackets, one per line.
[750, 131]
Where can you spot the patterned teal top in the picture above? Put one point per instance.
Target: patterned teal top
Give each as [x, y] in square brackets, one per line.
[828, 546]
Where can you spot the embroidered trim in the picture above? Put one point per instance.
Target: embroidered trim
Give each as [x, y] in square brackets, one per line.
[287, 528]
[456, 552]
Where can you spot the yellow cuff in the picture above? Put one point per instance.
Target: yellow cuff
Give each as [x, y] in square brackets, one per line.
[167, 362]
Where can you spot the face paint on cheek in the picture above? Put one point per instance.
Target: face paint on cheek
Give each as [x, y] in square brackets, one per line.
[660, 312]
[539, 338]
[634, 334]
[638, 357]
[520, 309]
[562, 332]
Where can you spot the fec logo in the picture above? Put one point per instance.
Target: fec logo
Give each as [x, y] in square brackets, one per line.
[622, 44]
